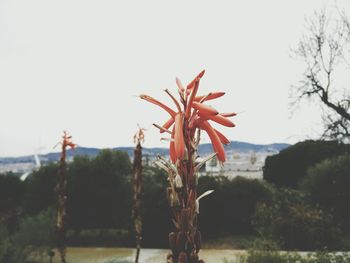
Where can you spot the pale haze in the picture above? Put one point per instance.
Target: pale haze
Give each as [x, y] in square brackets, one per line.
[79, 66]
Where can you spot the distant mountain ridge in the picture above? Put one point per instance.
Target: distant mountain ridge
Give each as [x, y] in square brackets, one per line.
[203, 149]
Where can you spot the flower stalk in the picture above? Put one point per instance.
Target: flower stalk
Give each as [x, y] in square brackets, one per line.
[190, 117]
[137, 185]
[61, 198]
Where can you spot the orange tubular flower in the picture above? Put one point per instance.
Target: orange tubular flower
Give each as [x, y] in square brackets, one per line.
[222, 137]
[190, 102]
[210, 96]
[204, 109]
[179, 136]
[192, 83]
[217, 118]
[215, 140]
[156, 102]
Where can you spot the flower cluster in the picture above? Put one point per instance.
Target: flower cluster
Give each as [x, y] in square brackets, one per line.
[192, 113]
[67, 142]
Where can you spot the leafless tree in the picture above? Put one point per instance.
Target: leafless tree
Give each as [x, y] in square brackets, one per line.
[324, 49]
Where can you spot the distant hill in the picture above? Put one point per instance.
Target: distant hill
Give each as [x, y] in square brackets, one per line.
[244, 147]
[203, 149]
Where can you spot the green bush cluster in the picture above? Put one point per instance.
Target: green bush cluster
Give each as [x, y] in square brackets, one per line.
[295, 224]
[320, 170]
[33, 238]
[9, 253]
[269, 256]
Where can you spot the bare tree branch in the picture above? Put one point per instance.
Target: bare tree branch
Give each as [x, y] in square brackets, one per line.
[324, 49]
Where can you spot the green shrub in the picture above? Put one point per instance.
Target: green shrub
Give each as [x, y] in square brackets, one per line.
[268, 256]
[295, 224]
[36, 231]
[325, 257]
[9, 251]
[33, 238]
[328, 184]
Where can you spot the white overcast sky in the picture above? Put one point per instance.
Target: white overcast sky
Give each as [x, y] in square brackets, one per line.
[78, 65]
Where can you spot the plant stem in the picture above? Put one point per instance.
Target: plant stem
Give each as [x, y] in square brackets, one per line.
[137, 185]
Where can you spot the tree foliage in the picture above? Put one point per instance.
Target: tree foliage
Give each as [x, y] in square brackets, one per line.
[40, 187]
[229, 209]
[328, 184]
[155, 210]
[11, 193]
[98, 190]
[288, 167]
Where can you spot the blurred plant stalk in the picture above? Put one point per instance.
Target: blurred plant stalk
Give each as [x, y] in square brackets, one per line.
[190, 117]
[137, 187]
[61, 195]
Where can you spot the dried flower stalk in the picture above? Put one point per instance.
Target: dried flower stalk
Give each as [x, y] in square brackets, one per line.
[61, 193]
[137, 185]
[187, 121]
